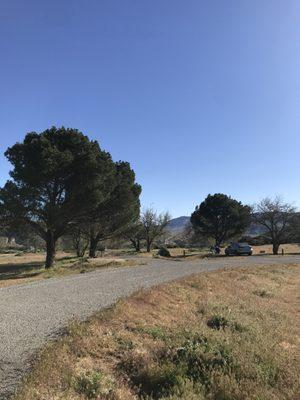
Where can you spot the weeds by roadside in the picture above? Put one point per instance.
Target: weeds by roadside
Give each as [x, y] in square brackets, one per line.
[211, 336]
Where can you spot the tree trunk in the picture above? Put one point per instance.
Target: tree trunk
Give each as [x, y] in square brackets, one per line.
[80, 252]
[138, 246]
[93, 247]
[80, 247]
[275, 248]
[51, 248]
[148, 246]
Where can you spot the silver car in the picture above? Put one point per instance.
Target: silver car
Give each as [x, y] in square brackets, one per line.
[238, 249]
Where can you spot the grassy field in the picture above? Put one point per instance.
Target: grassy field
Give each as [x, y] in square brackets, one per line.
[226, 335]
[19, 268]
[291, 248]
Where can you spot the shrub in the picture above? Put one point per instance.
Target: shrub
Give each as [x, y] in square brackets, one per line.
[94, 384]
[156, 332]
[159, 380]
[217, 322]
[187, 390]
[198, 357]
[262, 293]
[164, 252]
[124, 344]
[236, 326]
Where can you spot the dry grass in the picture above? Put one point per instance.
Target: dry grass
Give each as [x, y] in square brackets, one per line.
[290, 248]
[176, 252]
[20, 268]
[196, 253]
[230, 334]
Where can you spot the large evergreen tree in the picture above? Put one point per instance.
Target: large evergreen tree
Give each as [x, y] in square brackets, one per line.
[121, 208]
[220, 217]
[56, 178]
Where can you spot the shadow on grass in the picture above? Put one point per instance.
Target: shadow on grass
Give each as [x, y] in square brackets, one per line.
[33, 269]
[66, 258]
[21, 271]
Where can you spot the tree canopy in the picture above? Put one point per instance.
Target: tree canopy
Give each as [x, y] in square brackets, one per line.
[220, 217]
[56, 178]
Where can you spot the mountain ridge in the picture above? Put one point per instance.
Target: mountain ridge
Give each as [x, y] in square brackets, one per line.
[179, 224]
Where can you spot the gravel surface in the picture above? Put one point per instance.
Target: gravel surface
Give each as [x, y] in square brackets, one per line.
[34, 313]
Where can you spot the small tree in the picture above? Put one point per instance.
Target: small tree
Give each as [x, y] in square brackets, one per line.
[57, 175]
[80, 240]
[276, 217]
[135, 234]
[220, 217]
[154, 225]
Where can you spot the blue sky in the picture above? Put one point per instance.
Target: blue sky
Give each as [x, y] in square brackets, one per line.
[200, 96]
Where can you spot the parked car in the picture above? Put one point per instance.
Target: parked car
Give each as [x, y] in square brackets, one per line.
[238, 249]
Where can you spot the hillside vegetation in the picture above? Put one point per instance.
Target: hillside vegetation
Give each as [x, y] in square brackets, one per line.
[231, 334]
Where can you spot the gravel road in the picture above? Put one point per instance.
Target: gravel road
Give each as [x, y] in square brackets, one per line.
[34, 313]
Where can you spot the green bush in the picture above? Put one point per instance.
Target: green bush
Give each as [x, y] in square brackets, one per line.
[185, 365]
[159, 381]
[164, 252]
[94, 384]
[217, 322]
[198, 357]
[156, 332]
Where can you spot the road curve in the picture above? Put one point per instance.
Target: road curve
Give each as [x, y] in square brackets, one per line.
[34, 313]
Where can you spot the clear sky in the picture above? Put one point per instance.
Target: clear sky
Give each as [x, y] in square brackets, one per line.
[200, 96]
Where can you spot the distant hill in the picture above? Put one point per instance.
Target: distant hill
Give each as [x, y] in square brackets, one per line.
[177, 225]
[255, 230]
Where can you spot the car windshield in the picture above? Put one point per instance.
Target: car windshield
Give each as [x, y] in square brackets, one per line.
[243, 244]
